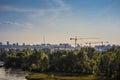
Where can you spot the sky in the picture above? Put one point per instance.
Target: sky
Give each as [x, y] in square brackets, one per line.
[29, 21]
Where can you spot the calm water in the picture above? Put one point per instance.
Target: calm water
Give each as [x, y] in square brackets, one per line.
[12, 74]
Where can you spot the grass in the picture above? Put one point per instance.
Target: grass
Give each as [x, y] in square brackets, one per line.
[59, 76]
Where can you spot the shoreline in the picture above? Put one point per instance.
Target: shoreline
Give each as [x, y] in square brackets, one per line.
[63, 76]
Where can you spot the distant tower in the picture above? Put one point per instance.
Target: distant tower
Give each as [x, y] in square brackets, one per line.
[8, 43]
[44, 40]
[0, 43]
[17, 44]
[23, 44]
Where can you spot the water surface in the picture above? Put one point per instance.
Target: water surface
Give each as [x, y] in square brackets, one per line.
[10, 74]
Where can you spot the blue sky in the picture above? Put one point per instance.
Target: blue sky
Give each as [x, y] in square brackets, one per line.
[58, 20]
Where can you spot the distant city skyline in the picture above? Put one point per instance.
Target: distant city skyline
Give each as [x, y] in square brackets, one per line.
[28, 21]
[53, 47]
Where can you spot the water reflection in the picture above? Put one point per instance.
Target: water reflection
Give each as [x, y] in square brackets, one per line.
[12, 74]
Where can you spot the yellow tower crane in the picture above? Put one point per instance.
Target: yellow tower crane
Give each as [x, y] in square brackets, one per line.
[75, 39]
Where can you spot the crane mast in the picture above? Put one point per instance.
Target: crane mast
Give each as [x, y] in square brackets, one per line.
[102, 43]
[75, 39]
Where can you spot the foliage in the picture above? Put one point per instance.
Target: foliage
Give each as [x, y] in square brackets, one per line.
[84, 61]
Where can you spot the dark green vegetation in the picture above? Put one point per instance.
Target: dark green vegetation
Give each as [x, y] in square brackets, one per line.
[86, 61]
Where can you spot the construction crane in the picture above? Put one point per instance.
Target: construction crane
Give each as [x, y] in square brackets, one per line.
[75, 39]
[89, 43]
[102, 42]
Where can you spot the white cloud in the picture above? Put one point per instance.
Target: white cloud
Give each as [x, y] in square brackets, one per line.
[13, 8]
[62, 6]
[48, 17]
[44, 16]
[17, 24]
[60, 3]
[28, 25]
[9, 23]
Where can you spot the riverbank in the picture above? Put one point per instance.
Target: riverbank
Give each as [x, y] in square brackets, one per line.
[62, 76]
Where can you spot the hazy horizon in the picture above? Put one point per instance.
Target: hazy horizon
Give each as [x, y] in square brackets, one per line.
[28, 21]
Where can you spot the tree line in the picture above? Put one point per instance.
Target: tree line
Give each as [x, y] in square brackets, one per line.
[83, 61]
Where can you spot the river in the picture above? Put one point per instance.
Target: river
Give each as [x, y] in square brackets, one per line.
[10, 74]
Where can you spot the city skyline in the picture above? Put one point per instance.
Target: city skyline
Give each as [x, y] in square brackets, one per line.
[28, 21]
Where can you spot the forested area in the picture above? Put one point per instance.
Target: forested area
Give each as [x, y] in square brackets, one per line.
[83, 61]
